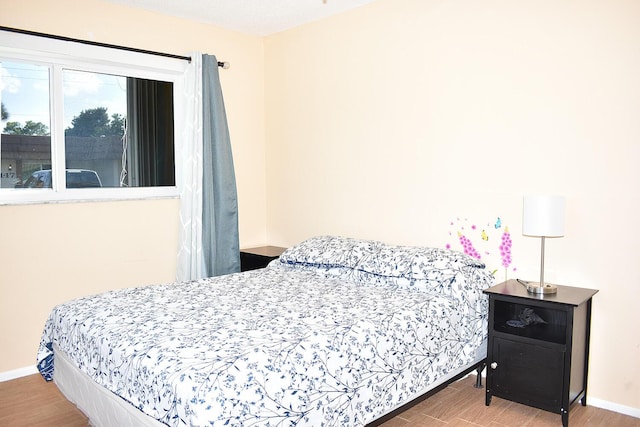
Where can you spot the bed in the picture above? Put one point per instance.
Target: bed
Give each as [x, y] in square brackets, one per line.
[336, 332]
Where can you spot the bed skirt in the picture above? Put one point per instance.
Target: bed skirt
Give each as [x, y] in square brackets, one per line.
[101, 406]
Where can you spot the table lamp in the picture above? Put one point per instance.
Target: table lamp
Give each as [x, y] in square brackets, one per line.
[542, 216]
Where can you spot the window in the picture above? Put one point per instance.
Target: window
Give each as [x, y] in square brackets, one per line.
[25, 144]
[77, 127]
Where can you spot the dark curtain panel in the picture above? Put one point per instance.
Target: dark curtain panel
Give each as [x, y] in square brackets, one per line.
[220, 243]
[151, 155]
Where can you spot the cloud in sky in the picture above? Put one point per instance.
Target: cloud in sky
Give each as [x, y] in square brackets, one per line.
[79, 82]
[22, 95]
[8, 82]
[25, 92]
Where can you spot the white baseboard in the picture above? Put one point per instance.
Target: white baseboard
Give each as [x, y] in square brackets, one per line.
[17, 373]
[610, 406]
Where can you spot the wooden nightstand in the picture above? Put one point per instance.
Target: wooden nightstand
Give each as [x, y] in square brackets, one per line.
[543, 365]
[254, 258]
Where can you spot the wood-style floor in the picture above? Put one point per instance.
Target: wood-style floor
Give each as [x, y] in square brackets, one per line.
[30, 401]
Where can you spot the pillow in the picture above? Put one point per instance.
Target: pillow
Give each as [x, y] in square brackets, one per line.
[376, 258]
[422, 269]
[414, 262]
[329, 252]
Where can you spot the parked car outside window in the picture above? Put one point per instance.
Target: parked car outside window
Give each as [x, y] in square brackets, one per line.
[76, 178]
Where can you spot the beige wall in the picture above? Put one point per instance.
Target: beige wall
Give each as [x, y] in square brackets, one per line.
[51, 253]
[55, 252]
[395, 120]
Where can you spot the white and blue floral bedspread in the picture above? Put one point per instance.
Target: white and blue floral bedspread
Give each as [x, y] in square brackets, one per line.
[298, 343]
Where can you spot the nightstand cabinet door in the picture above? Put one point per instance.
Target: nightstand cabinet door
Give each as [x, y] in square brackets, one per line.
[528, 373]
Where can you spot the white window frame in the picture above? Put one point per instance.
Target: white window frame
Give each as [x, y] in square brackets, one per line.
[64, 54]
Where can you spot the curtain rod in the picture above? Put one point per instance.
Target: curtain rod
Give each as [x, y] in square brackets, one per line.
[221, 64]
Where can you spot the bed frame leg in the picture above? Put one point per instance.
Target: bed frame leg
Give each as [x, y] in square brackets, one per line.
[479, 370]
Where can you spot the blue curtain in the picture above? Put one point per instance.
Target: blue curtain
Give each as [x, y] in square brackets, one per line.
[220, 243]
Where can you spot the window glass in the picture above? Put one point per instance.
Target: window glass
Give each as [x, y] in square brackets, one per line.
[95, 109]
[25, 142]
[118, 131]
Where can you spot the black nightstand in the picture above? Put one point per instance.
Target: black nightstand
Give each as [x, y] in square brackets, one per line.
[254, 258]
[542, 364]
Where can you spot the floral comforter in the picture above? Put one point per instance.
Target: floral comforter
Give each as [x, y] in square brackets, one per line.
[298, 343]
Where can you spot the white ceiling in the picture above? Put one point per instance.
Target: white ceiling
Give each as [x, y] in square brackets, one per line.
[258, 17]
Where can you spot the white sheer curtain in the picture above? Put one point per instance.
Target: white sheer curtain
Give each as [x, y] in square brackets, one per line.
[190, 257]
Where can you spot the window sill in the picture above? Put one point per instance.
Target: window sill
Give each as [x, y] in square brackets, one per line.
[45, 196]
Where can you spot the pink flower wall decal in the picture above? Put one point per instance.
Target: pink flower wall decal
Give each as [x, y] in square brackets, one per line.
[468, 246]
[493, 238]
[505, 250]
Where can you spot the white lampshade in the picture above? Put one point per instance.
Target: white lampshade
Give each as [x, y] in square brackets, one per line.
[543, 216]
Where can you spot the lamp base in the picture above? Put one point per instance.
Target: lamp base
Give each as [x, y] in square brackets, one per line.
[546, 288]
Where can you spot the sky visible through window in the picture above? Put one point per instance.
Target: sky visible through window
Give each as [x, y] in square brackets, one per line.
[24, 91]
